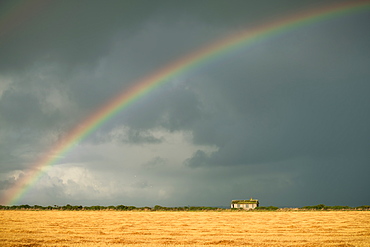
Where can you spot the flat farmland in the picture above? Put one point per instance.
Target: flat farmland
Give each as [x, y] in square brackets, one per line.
[224, 228]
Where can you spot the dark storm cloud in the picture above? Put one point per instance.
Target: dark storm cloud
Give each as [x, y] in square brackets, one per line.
[299, 102]
[289, 104]
[130, 136]
[19, 107]
[286, 118]
[78, 33]
[175, 108]
[136, 137]
[70, 33]
[24, 122]
[8, 183]
[154, 163]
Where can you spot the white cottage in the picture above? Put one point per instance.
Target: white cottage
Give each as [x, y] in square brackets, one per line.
[245, 204]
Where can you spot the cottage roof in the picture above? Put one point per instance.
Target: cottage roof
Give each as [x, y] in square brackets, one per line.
[250, 201]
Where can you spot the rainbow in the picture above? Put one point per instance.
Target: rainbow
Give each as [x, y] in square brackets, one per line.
[147, 84]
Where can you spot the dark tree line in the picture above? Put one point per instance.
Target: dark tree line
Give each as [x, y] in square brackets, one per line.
[94, 208]
[161, 208]
[324, 207]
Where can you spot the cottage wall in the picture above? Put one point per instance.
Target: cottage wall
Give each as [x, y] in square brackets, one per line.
[244, 206]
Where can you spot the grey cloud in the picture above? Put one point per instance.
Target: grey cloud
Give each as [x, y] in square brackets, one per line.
[283, 107]
[137, 137]
[6, 184]
[19, 107]
[287, 107]
[154, 163]
[124, 136]
[23, 124]
[173, 107]
[141, 184]
[69, 32]
[199, 158]
[287, 118]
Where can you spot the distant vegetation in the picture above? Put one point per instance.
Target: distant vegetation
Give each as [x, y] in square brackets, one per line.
[185, 208]
[269, 208]
[117, 208]
[324, 207]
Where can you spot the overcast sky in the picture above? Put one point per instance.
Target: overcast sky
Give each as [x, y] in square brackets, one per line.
[285, 121]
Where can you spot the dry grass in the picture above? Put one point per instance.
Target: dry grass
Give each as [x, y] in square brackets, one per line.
[114, 228]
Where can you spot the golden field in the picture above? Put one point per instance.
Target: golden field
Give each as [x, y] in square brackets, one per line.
[224, 228]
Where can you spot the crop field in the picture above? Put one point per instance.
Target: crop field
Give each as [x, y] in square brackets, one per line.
[225, 228]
